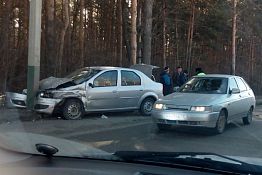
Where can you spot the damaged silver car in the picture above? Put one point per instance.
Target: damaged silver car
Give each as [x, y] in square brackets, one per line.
[93, 89]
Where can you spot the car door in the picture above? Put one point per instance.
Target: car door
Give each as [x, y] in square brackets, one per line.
[234, 101]
[244, 96]
[103, 93]
[131, 89]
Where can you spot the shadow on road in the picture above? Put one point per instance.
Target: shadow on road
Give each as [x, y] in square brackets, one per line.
[196, 131]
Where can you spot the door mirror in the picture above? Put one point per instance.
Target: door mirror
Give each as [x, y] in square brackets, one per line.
[91, 85]
[234, 91]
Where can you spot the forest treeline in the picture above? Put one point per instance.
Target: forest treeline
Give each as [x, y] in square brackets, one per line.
[187, 33]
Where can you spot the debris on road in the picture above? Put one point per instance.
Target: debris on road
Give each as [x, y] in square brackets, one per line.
[104, 116]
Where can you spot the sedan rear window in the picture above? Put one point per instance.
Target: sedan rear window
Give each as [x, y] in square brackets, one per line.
[129, 78]
[206, 85]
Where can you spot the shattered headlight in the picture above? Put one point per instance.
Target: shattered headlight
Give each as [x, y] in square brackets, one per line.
[46, 94]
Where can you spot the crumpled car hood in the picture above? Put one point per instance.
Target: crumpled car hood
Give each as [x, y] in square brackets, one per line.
[52, 82]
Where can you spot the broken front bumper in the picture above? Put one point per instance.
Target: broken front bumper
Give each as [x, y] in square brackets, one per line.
[42, 105]
[46, 105]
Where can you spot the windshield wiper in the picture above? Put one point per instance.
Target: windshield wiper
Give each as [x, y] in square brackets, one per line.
[191, 160]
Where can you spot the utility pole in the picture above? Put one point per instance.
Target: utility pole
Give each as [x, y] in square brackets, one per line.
[33, 68]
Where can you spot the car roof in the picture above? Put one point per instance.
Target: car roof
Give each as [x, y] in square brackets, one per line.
[109, 68]
[216, 76]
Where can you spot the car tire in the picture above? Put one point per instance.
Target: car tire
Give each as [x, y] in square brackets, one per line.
[73, 109]
[221, 122]
[147, 106]
[163, 127]
[248, 119]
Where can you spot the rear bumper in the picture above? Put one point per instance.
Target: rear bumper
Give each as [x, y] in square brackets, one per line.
[185, 118]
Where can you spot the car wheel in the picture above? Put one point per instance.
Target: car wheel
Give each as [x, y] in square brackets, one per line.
[147, 106]
[73, 109]
[248, 119]
[163, 127]
[221, 122]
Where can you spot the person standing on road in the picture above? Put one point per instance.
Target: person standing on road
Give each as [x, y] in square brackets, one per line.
[166, 80]
[179, 77]
[199, 71]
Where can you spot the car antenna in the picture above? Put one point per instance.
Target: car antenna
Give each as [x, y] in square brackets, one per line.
[46, 149]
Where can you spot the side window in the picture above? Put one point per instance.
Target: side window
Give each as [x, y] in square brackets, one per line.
[106, 79]
[129, 78]
[233, 84]
[248, 87]
[241, 85]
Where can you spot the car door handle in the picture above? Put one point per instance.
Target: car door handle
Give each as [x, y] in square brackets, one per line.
[141, 90]
[114, 92]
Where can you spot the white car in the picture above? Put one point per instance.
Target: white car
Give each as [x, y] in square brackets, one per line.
[207, 101]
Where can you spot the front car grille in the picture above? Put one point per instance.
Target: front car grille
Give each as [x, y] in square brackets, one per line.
[178, 122]
[39, 106]
[178, 108]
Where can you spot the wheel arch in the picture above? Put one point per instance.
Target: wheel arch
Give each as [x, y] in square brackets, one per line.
[147, 95]
[226, 111]
[60, 105]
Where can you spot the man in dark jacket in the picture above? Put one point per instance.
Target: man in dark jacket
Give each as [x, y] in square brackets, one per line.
[166, 80]
[179, 77]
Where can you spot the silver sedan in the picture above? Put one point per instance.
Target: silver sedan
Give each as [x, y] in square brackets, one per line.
[206, 101]
[93, 89]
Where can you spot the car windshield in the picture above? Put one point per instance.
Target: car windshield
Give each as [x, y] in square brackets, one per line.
[95, 77]
[206, 85]
[81, 75]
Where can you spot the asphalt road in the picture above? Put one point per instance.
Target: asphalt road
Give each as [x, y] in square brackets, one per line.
[238, 140]
[129, 131]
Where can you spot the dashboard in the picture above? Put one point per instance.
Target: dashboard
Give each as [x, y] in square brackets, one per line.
[22, 164]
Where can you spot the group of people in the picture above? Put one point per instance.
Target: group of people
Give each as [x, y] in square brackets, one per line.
[179, 78]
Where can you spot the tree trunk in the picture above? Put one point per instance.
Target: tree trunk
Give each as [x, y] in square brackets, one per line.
[126, 30]
[234, 25]
[139, 31]
[177, 34]
[133, 31]
[62, 37]
[190, 36]
[164, 33]
[120, 33]
[148, 6]
[4, 40]
[50, 38]
[253, 60]
[81, 33]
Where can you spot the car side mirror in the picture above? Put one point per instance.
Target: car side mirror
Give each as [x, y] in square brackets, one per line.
[234, 91]
[91, 85]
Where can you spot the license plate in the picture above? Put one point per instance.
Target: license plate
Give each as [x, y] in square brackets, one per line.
[180, 116]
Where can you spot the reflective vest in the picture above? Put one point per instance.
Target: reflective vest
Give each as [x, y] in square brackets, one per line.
[202, 73]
